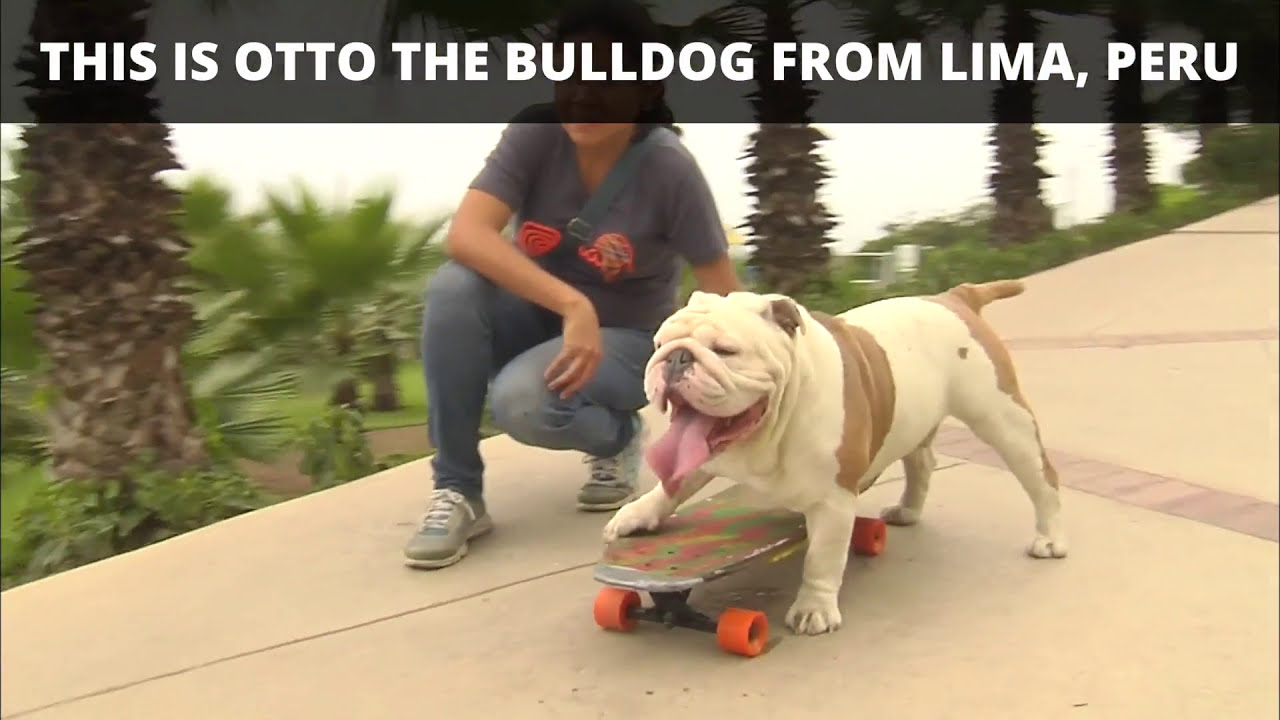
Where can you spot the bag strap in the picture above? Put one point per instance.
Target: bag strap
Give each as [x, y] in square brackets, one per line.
[581, 227]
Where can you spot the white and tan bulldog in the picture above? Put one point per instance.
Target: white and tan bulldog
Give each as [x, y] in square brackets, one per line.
[810, 409]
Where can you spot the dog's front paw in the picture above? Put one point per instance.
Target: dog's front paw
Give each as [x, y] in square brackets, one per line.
[813, 614]
[1048, 547]
[633, 517]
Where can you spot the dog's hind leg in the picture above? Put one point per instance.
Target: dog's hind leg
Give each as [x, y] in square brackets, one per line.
[1010, 429]
[918, 466]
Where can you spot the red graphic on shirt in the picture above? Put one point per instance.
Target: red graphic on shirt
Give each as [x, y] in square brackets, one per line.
[537, 239]
[611, 254]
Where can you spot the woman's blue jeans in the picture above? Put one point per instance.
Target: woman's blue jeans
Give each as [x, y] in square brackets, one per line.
[475, 334]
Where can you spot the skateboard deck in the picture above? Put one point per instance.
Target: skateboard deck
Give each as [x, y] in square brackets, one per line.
[703, 541]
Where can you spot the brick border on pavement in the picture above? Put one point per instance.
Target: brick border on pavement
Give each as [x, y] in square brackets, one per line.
[1139, 488]
[1151, 491]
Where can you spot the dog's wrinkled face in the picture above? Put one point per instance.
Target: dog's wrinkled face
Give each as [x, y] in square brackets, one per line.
[718, 368]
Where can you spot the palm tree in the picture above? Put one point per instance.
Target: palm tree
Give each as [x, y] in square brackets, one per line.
[1127, 108]
[1020, 213]
[1204, 105]
[104, 258]
[788, 229]
[335, 293]
[389, 320]
[1130, 155]
[235, 392]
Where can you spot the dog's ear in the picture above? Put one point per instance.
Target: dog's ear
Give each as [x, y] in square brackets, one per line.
[785, 314]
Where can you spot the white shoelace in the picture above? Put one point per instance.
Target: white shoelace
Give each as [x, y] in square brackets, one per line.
[605, 471]
[443, 503]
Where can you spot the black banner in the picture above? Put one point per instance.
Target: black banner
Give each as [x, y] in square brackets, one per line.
[874, 61]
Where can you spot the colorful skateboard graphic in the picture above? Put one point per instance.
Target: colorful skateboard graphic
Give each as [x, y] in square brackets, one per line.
[702, 542]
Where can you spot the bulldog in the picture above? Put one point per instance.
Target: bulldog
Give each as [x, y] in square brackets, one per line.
[809, 410]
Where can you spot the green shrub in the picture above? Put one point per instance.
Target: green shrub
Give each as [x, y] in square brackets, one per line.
[834, 295]
[24, 434]
[970, 224]
[194, 500]
[67, 524]
[335, 449]
[971, 259]
[1239, 158]
[1116, 230]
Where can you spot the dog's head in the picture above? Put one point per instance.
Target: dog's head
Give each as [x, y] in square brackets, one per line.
[719, 368]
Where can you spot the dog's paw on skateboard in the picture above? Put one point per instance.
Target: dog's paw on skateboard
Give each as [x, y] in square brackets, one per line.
[634, 517]
[812, 614]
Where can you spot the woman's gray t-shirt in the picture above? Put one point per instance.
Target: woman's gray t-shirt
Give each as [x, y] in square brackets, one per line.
[630, 268]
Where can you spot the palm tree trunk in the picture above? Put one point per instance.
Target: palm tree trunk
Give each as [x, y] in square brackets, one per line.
[382, 375]
[1130, 156]
[105, 260]
[105, 257]
[789, 226]
[346, 393]
[1261, 74]
[1212, 107]
[1015, 182]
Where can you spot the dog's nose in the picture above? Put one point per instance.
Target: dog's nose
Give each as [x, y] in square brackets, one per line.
[678, 362]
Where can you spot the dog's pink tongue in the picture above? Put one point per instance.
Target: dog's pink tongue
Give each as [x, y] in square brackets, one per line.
[682, 449]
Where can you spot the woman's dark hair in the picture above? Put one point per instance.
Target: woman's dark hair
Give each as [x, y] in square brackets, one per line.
[623, 21]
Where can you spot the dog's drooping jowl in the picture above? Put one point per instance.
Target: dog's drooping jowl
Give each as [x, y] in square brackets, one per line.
[809, 409]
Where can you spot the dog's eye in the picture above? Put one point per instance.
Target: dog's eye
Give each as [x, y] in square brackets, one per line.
[723, 351]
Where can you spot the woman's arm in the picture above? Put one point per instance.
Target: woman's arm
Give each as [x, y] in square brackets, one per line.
[475, 240]
[718, 276]
[475, 232]
[695, 229]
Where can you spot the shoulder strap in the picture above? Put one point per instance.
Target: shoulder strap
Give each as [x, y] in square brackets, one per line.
[580, 228]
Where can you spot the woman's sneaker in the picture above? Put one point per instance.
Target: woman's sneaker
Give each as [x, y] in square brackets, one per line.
[450, 522]
[614, 481]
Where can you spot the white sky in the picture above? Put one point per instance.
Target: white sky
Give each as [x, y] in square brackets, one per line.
[882, 173]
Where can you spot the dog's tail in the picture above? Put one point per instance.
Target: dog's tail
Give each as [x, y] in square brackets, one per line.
[979, 296]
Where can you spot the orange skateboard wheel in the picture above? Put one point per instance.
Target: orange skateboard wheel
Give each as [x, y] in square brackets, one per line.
[742, 632]
[612, 609]
[869, 536]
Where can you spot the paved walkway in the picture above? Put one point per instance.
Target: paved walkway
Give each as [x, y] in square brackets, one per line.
[1153, 369]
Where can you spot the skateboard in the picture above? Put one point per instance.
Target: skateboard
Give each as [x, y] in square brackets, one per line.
[702, 542]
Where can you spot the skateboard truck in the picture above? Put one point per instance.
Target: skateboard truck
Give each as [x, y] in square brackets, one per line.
[738, 631]
[673, 610]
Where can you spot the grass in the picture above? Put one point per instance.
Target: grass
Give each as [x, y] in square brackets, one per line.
[19, 481]
[1173, 195]
[413, 394]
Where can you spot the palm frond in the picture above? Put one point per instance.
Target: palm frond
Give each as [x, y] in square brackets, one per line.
[234, 374]
[737, 22]
[256, 436]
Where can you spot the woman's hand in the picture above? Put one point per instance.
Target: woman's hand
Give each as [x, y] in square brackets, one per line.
[576, 364]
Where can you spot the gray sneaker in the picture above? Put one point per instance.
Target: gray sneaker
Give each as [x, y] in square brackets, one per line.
[451, 521]
[614, 480]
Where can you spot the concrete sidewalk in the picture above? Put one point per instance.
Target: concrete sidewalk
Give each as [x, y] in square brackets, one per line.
[1153, 369]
